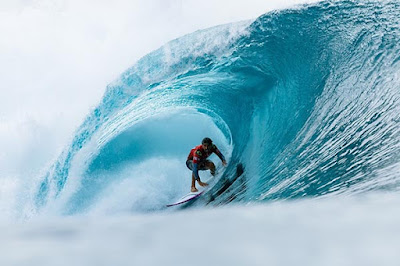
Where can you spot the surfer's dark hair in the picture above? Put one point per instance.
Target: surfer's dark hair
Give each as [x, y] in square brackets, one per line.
[206, 141]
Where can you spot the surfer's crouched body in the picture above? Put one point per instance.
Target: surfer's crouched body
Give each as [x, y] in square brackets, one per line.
[197, 160]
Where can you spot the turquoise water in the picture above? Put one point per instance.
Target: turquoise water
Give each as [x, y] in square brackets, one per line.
[305, 100]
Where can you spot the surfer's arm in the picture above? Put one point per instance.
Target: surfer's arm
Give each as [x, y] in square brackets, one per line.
[196, 160]
[220, 155]
[196, 171]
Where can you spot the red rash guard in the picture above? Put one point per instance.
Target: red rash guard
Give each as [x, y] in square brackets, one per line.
[198, 154]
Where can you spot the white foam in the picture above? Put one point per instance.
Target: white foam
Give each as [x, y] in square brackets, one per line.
[333, 231]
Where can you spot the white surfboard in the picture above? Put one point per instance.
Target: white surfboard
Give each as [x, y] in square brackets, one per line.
[188, 197]
[193, 195]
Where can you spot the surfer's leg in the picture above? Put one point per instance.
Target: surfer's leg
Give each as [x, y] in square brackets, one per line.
[211, 166]
[189, 164]
[203, 184]
[193, 189]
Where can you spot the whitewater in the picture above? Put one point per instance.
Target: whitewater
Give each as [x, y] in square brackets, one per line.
[303, 102]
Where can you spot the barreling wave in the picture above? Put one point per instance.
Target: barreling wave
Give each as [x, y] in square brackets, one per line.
[304, 102]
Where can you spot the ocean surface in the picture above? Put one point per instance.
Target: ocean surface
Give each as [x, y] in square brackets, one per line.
[304, 103]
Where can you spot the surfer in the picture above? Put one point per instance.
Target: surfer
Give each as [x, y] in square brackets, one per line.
[197, 160]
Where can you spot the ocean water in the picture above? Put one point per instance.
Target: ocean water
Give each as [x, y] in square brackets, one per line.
[304, 103]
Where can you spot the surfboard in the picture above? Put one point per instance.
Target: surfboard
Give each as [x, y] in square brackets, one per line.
[188, 197]
[194, 195]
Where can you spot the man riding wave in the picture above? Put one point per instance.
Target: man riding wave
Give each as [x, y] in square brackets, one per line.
[197, 160]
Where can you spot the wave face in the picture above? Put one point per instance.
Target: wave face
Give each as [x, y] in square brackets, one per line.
[305, 100]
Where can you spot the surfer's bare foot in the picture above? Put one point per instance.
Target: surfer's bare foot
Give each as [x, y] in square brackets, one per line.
[203, 184]
[194, 189]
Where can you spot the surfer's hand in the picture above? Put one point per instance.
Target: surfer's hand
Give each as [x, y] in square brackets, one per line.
[224, 163]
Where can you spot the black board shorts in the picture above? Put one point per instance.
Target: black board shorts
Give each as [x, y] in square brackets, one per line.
[202, 164]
